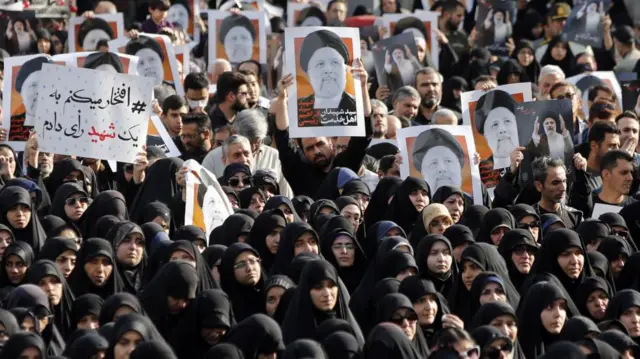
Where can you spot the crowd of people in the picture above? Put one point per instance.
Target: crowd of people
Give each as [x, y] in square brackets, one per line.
[330, 253]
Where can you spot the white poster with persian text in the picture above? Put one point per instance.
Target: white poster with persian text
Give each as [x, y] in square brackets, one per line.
[93, 113]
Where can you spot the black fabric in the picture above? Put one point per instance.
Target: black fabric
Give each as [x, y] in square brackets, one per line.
[106, 203]
[61, 173]
[86, 346]
[213, 254]
[320, 205]
[387, 340]
[205, 279]
[386, 308]
[18, 342]
[497, 217]
[23, 251]
[620, 303]
[512, 240]
[304, 348]
[401, 210]
[88, 304]
[266, 223]
[376, 233]
[442, 281]
[225, 350]
[478, 285]
[153, 349]
[286, 247]
[578, 328]
[341, 344]
[233, 227]
[157, 209]
[80, 282]
[63, 192]
[162, 189]
[473, 217]
[415, 288]
[257, 334]
[132, 276]
[566, 64]
[585, 289]
[154, 237]
[117, 301]
[246, 300]
[275, 201]
[55, 246]
[132, 322]
[628, 278]
[351, 275]
[33, 233]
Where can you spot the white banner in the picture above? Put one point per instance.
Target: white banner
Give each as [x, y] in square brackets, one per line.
[93, 113]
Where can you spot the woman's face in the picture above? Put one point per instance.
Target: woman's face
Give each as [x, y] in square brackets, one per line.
[439, 258]
[44, 46]
[492, 292]
[455, 205]
[89, 321]
[631, 320]
[597, 303]
[274, 294]
[52, 286]
[246, 269]
[30, 353]
[99, 270]
[5, 240]
[57, 44]
[513, 78]
[419, 199]
[553, 316]
[344, 250]
[469, 272]
[306, 243]
[497, 234]
[212, 335]
[179, 254]
[324, 295]
[618, 263]
[273, 240]
[28, 324]
[288, 213]
[66, 261]
[523, 258]
[507, 325]
[571, 261]
[257, 203]
[126, 344]
[162, 222]
[532, 223]
[427, 309]
[353, 214]
[16, 269]
[407, 320]
[559, 51]
[131, 249]
[19, 216]
[525, 57]
[389, 6]
[439, 224]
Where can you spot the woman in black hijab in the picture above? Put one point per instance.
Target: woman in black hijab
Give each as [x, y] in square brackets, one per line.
[501, 316]
[411, 197]
[106, 203]
[242, 278]
[340, 248]
[473, 217]
[274, 291]
[302, 206]
[563, 255]
[430, 306]
[525, 54]
[398, 309]
[285, 205]
[213, 256]
[46, 274]
[559, 53]
[163, 189]
[69, 203]
[453, 198]
[265, 235]
[617, 251]
[118, 305]
[62, 251]
[592, 297]
[64, 171]
[511, 73]
[579, 328]
[22, 345]
[386, 340]
[322, 206]
[451, 90]
[519, 249]
[16, 260]
[542, 317]
[86, 311]
[434, 257]
[628, 278]
[252, 198]
[96, 270]
[128, 331]
[379, 201]
[193, 234]
[296, 238]
[166, 296]
[376, 233]
[128, 243]
[460, 237]
[489, 287]
[625, 307]
[158, 212]
[495, 224]
[621, 342]
[235, 228]
[10, 324]
[17, 213]
[320, 295]
[205, 323]
[257, 334]
[89, 345]
[186, 251]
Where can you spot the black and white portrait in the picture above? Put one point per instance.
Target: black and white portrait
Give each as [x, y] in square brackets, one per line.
[584, 25]
[439, 158]
[150, 57]
[179, 14]
[416, 27]
[19, 35]
[237, 35]
[589, 16]
[93, 30]
[495, 25]
[550, 136]
[104, 61]
[396, 61]
[324, 59]
[498, 25]
[27, 83]
[496, 121]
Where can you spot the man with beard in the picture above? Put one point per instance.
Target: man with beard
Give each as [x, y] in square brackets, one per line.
[379, 119]
[449, 23]
[553, 139]
[232, 95]
[196, 136]
[254, 100]
[498, 24]
[439, 157]
[429, 85]
[495, 120]
[26, 84]
[406, 101]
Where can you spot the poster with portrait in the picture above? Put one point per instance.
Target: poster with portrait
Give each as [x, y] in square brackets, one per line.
[442, 156]
[237, 37]
[22, 75]
[156, 59]
[84, 33]
[183, 55]
[491, 115]
[92, 113]
[306, 14]
[18, 34]
[183, 14]
[422, 25]
[494, 25]
[206, 204]
[396, 61]
[325, 98]
[105, 61]
[584, 24]
[586, 81]
[157, 136]
[630, 94]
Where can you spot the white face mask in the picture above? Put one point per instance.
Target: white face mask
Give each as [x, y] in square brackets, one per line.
[193, 104]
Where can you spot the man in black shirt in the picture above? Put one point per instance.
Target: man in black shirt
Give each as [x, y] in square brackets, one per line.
[616, 169]
[196, 136]
[232, 94]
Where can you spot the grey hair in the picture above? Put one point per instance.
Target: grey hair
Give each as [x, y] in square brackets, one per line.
[232, 140]
[445, 112]
[217, 62]
[111, 7]
[250, 124]
[404, 92]
[541, 165]
[379, 104]
[551, 70]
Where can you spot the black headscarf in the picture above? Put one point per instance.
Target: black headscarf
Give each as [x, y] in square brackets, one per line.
[286, 247]
[62, 311]
[510, 67]
[154, 238]
[19, 342]
[33, 233]
[233, 227]
[257, 334]
[352, 275]
[117, 301]
[303, 318]
[61, 170]
[614, 246]
[51, 223]
[619, 340]
[532, 335]
[86, 346]
[153, 349]
[263, 226]
[25, 253]
[388, 305]
[80, 282]
[213, 254]
[321, 204]
[376, 233]
[304, 348]
[478, 285]
[459, 235]
[533, 70]
[163, 188]
[415, 288]
[620, 303]
[585, 289]
[64, 192]
[579, 328]
[275, 201]
[210, 309]
[442, 281]
[55, 246]
[88, 304]
[473, 217]
[303, 205]
[449, 99]
[205, 279]
[341, 345]
[628, 278]
[246, 300]
[387, 340]
[132, 322]
[401, 210]
[131, 275]
[157, 209]
[224, 350]
[106, 203]
[512, 240]
[246, 195]
[8, 320]
[567, 63]
[497, 217]
[177, 279]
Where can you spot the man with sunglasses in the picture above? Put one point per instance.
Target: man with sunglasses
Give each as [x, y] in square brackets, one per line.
[565, 90]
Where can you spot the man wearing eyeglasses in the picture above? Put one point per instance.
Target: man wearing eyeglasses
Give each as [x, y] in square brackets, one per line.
[565, 90]
[196, 136]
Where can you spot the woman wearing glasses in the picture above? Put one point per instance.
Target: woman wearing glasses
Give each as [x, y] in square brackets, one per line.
[518, 248]
[242, 278]
[398, 309]
[70, 202]
[237, 176]
[340, 248]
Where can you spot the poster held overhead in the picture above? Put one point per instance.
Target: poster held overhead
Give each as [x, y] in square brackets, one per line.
[85, 33]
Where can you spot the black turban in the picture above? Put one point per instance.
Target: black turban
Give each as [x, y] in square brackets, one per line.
[92, 24]
[144, 42]
[28, 68]
[320, 39]
[103, 58]
[410, 23]
[232, 21]
[311, 11]
[489, 101]
[432, 138]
